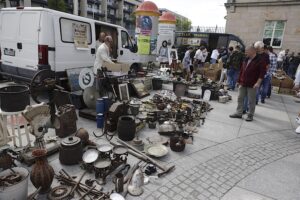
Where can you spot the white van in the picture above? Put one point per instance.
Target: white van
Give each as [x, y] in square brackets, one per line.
[33, 38]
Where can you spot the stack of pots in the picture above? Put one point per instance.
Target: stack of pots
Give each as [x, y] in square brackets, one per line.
[102, 106]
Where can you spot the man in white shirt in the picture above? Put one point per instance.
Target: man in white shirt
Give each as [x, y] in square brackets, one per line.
[204, 55]
[198, 57]
[214, 56]
[100, 40]
[102, 54]
[281, 56]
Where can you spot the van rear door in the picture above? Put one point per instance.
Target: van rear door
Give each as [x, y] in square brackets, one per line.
[19, 42]
[8, 38]
[70, 54]
[27, 43]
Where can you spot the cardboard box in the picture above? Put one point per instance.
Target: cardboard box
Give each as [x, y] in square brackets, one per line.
[287, 91]
[117, 67]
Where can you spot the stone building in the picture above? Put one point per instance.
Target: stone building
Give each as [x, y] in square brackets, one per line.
[111, 11]
[276, 22]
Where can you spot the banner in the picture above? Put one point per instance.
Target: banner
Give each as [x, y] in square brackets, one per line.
[80, 36]
[143, 44]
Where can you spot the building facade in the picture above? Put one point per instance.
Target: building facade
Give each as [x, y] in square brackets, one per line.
[275, 22]
[112, 11]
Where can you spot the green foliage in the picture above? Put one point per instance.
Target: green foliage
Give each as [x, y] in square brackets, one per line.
[183, 25]
[59, 5]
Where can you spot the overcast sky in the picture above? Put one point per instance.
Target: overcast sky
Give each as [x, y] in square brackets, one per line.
[201, 12]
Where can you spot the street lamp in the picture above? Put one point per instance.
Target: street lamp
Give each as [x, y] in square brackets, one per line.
[14, 3]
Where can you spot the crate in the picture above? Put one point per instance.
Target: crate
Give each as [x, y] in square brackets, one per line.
[275, 82]
[287, 83]
[287, 91]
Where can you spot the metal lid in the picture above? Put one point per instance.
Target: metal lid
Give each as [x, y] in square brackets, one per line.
[102, 164]
[71, 141]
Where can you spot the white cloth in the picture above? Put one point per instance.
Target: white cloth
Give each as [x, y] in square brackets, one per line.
[215, 54]
[281, 56]
[204, 55]
[102, 55]
[198, 55]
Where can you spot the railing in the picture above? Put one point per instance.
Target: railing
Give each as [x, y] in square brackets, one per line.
[209, 29]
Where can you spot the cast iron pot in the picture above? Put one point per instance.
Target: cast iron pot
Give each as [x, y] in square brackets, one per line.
[70, 152]
[177, 143]
[14, 98]
[126, 128]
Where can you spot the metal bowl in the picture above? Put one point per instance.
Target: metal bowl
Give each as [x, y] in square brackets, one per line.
[103, 148]
[90, 156]
[156, 150]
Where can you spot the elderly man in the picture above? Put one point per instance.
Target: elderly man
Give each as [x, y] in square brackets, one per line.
[102, 54]
[100, 40]
[250, 78]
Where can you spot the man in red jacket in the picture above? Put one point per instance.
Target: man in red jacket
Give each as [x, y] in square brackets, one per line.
[250, 78]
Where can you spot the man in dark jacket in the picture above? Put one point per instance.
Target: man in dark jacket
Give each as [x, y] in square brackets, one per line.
[250, 78]
[234, 64]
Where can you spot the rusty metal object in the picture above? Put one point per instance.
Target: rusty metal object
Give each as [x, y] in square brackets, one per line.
[65, 179]
[84, 136]
[42, 173]
[60, 193]
[65, 121]
[165, 169]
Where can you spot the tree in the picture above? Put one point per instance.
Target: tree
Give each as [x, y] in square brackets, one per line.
[59, 5]
[183, 25]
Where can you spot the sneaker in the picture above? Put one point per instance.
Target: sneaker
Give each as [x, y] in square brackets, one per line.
[298, 130]
[235, 116]
[256, 102]
[249, 118]
[263, 101]
[244, 112]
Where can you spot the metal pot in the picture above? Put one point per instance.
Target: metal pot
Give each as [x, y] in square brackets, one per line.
[177, 143]
[167, 128]
[126, 128]
[70, 151]
[14, 98]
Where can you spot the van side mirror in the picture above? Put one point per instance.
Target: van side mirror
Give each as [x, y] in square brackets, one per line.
[134, 48]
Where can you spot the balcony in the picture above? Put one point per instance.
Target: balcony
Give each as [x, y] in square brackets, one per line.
[112, 5]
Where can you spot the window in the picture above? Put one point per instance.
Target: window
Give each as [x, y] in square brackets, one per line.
[67, 32]
[273, 33]
[126, 43]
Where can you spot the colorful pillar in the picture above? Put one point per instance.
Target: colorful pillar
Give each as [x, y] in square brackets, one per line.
[166, 30]
[147, 28]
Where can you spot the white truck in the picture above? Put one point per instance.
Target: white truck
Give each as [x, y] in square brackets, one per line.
[33, 38]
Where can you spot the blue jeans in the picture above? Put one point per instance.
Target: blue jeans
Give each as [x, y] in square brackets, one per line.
[264, 88]
[213, 61]
[232, 76]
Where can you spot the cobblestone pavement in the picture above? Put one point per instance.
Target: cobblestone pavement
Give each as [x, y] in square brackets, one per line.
[214, 177]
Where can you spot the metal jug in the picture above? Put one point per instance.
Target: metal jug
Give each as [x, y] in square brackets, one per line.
[119, 183]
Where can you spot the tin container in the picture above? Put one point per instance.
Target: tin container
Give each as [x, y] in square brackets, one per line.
[70, 152]
[100, 120]
[100, 105]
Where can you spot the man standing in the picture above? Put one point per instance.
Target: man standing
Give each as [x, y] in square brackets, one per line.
[198, 58]
[102, 54]
[100, 40]
[204, 56]
[250, 78]
[281, 57]
[234, 64]
[214, 56]
[187, 61]
[266, 83]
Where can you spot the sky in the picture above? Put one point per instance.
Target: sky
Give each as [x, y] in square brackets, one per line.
[200, 12]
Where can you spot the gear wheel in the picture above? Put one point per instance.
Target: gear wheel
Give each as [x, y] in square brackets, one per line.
[60, 193]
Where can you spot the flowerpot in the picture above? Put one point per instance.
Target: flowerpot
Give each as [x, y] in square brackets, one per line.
[42, 173]
[126, 128]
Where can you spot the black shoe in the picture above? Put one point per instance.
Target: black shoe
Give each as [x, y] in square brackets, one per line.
[249, 118]
[263, 101]
[244, 112]
[256, 102]
[235, 116]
